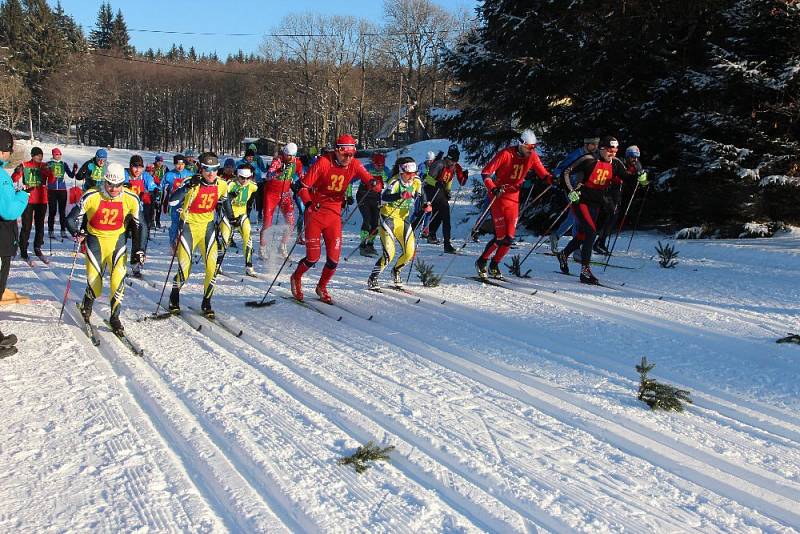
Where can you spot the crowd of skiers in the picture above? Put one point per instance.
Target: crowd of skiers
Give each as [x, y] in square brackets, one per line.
[207, 201]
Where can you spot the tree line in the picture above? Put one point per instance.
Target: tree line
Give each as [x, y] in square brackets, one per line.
[314, 77]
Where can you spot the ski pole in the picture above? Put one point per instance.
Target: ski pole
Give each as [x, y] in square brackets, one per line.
[471, 232]
[535, 200]
[638, 217]
[69, 282]
[545, 233]
[371, 234]
[621, 224]
[416, 240]
[171, 263]
[261, 303]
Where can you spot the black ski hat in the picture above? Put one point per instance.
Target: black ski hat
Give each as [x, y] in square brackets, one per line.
[136, 161]
[178, 157]
[608, 142]
[6, 141]
[209, 159]
[453, 153]
[36, 151]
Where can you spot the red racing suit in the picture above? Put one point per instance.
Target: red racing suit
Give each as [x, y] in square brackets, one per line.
[509, 169]
[323, 190]
[278, 192]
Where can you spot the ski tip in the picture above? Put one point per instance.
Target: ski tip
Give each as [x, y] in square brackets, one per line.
[339, 319]
[535, 291]
[240, 334]
[418, 301]
[370, 317]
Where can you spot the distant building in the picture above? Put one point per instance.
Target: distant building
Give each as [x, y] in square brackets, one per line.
[265, 146]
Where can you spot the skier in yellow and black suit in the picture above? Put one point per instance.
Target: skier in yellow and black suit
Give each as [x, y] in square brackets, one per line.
[199, 199]
[399, 196]
[101, 219]
[242, 193]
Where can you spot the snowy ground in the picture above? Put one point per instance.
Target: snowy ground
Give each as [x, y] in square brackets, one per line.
[511, 411]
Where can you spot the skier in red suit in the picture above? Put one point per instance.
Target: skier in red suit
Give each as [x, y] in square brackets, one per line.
[322, 191]
[510, 166]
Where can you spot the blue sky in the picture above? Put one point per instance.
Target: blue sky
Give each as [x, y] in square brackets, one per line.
[233, 16]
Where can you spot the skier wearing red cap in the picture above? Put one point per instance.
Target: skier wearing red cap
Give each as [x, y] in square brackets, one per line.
[510, 166]
[283, 170]
[322, 191]
[57, 192]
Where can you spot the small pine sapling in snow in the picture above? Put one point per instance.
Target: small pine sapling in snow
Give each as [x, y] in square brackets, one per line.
[791, 338]
[365, 454]
[657, 395]
[667, 253]
[426, 275]
[515, 267]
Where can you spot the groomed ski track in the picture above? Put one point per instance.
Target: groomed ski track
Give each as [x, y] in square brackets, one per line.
[486, 440]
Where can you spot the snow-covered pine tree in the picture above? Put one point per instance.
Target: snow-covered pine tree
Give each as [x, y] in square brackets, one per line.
[740, 156]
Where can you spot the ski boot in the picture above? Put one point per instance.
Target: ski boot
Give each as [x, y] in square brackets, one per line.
[262, 253]
[322, 293]
[86, 308]
[363, 249]
[432, 240]
[174, 302]
[7, 341]
[600, 248]
[296, 287]
[41, 256]
[553, 244]
[563, 262]
[480, 265]
[249, 271]
[448, 248]
[136, 270]
[372, 282]
[283, 250]
[494, 271]
[5, 352]
[116, 326]
[397, 278]
[587, 277]
[205, 307]
[371, 250]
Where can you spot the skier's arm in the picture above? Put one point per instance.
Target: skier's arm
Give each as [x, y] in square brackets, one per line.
[577, 166]
[76, 217]
[83, 172]
[134, 221]
[70, 171]
[391, 193]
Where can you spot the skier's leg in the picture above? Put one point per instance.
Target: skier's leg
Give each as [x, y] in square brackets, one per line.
[210, 259]
[387, 243]
[190, 238]
[404, 233]
[118, 273]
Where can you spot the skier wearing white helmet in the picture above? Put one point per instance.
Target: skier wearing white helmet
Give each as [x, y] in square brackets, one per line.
[284, 170]
[503, 177]
[101, 220]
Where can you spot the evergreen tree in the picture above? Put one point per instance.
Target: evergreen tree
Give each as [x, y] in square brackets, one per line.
[119, 39]
[741, 117]
[41, 47]
[100, 37]
[72, 31]
[706, 88]
[192, 55]
[12, 26]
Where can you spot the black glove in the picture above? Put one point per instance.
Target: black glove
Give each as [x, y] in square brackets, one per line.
[447, 195]
[236, 222]
[497, 190]
[195, 180]
[296, 186]
[307, 204]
